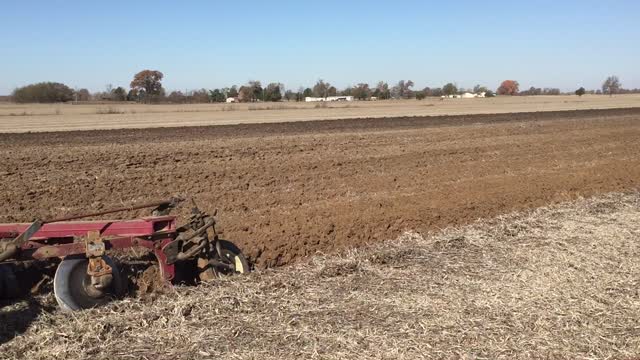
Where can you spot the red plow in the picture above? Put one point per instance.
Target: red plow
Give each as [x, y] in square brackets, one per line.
[87, 277]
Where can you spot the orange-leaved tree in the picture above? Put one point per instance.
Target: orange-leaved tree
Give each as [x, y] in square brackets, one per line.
[509, 87]
[148, 81]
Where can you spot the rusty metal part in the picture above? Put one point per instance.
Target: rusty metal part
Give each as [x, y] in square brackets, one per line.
[95, 245]
[206, 224]
[199, 244]
[100, 272]
[194, 242]
[98, 267]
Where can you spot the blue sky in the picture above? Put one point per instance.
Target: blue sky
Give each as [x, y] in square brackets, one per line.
[211, 44]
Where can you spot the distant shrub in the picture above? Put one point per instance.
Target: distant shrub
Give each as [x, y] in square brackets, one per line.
[109, 110]
[44, 92]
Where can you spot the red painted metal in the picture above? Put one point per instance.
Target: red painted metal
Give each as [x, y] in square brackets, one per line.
[141, 227]
[57, 239]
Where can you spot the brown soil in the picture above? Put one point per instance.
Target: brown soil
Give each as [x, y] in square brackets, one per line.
[290, 190]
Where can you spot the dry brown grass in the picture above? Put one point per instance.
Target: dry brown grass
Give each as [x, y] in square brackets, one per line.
[557, 282]
[59, 117]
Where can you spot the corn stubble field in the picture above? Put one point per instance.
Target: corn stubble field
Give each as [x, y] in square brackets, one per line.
[364, 232]
[555, 282]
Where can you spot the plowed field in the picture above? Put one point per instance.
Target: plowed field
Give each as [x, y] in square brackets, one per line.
[289, 190]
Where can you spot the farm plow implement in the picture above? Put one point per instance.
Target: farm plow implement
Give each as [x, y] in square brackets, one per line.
[87, 276]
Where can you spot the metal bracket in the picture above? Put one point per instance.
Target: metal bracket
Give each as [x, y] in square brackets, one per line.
[101, 273]
[95, 245]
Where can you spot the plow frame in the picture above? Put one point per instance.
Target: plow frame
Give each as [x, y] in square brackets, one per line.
[87, 276]
[60, 239]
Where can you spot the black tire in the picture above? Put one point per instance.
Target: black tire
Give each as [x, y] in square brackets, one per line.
[232, 255]
[71, 280]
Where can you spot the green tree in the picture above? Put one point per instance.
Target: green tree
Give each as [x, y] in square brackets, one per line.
[307, 93]
[233, 92]
[581, 91]
[449, 89]
[133, 95]
[119, 94]
[217, 96]
[273, 92]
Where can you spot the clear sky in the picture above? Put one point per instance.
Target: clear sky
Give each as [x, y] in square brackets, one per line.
[212, 44]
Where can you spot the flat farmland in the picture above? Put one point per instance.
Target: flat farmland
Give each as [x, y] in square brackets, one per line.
[290, 190]
[62, 117]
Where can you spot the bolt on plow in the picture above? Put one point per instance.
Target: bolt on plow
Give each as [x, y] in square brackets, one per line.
[87, 277]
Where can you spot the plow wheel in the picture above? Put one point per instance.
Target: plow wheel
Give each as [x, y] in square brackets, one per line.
[230, 261]
[73, 289]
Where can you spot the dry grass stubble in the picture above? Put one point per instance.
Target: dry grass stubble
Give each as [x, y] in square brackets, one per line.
[557, 282]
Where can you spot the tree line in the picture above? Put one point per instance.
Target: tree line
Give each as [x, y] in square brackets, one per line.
[146, 87]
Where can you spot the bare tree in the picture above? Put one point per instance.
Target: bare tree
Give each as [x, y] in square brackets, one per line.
[83, 95]
[361, 91]
[321, 89]
[611, 85]
[382, 91]
[403, 89]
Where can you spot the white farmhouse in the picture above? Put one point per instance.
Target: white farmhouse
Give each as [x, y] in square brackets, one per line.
[466, 95]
